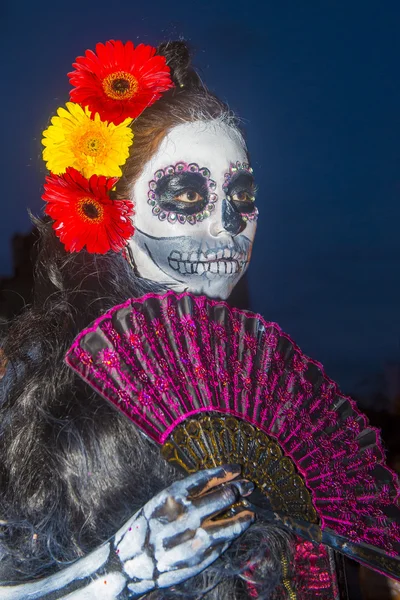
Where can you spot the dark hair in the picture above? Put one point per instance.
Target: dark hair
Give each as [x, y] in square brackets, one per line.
[73, 469]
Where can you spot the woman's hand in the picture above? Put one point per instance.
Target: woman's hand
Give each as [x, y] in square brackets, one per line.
[174, 536]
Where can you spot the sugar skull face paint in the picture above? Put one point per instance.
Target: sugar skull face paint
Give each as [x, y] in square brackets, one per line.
[182, 193]
[240, 190]
[192, 231]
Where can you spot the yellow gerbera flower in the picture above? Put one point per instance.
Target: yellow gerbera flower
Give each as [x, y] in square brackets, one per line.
[91, 146]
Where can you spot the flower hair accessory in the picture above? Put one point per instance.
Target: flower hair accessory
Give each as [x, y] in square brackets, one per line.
[85, 215]
[89, 145]
[119, 81]
[88, 142]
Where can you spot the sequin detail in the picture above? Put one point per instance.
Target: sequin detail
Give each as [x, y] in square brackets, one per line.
[174, 217]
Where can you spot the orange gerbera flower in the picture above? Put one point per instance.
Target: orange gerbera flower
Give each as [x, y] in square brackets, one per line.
[119, 81]
[85, 215]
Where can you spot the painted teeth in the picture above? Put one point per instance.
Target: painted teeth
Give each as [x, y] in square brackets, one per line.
[213, 267]
[207, 256]
[211, 255]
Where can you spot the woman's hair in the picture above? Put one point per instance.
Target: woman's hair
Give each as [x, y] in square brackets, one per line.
[72, 469]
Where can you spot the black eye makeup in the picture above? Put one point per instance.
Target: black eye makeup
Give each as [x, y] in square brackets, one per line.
[240, 190]
[182, 193]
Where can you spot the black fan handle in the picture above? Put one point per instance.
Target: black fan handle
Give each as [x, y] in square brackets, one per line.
[367, 555]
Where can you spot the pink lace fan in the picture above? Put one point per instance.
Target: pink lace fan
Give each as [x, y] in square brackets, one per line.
[212, 384]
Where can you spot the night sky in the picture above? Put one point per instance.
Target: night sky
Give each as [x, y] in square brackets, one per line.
[317, 86]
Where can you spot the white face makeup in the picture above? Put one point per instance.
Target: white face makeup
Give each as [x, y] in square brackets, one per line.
[195, 218]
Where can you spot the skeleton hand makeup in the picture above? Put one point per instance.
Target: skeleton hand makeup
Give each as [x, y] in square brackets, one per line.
[195, 215]
[173, 537]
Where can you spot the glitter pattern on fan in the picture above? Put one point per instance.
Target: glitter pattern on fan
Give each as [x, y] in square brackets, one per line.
[162, 359]
[313, 571]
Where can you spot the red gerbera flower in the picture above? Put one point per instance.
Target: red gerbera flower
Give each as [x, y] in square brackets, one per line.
[85, 215]
[119, 81]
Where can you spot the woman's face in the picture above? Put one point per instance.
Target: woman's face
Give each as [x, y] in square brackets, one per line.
[195, 218]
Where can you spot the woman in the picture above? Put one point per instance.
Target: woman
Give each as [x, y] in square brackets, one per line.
[74, 472]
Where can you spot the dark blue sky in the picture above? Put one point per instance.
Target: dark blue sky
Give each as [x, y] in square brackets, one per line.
[317, 85]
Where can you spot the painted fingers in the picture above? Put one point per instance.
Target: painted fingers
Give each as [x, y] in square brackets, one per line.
[202, 481]
[197, 535]
[180, 532]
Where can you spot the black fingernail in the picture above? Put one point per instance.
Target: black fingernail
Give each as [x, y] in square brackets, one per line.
[242, 487]
[248, 487]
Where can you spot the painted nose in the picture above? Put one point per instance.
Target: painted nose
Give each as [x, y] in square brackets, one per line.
[231, 218]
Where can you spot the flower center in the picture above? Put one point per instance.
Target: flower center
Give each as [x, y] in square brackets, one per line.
[91, 145]
[120, 85]
[90, 209]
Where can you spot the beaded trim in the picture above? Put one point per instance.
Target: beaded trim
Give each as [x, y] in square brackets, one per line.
[173, 217]
[234, 168]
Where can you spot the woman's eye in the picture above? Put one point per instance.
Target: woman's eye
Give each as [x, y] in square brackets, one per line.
[243, 196]
[189, 196]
